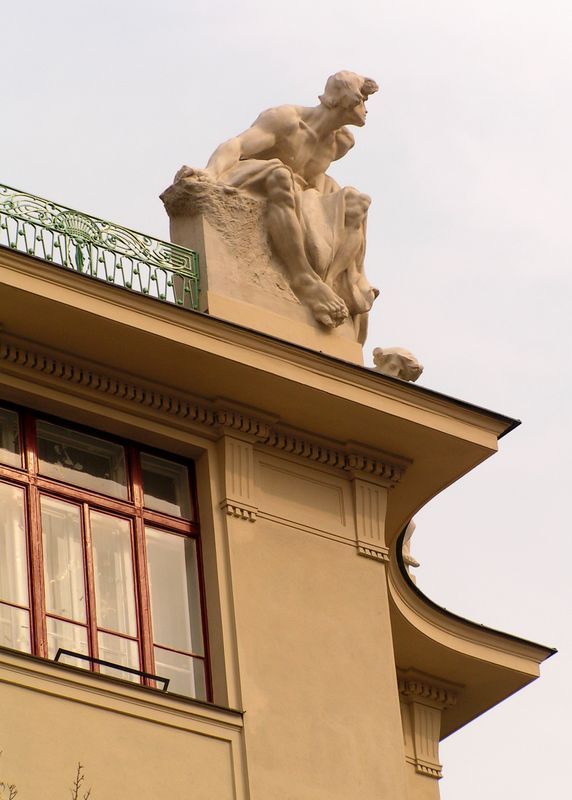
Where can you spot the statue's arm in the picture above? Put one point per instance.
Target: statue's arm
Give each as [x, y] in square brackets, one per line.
[246, 145]
[254, 142]
[344, 142]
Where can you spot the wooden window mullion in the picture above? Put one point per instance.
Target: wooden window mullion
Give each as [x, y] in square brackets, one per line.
[143, 597]
[204, 618]
[35, 548]
[132, 508]
[140, 562]
[90, 606]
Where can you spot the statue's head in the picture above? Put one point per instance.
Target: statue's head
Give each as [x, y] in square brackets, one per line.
[348, 92]
[397, 362]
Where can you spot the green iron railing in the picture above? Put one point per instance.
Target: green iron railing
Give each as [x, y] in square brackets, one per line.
[98, 249]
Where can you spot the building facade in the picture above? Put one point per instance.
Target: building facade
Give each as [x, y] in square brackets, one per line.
[202, 586]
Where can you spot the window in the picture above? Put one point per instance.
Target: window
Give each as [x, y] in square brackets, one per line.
[99, 554]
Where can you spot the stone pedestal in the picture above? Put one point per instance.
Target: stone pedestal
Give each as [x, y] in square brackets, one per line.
[240, 279]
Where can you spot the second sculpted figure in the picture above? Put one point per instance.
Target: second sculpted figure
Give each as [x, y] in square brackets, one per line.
[316, 229]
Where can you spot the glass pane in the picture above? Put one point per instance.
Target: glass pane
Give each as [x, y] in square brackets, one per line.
[81, 460]
[113, 573]
[10, 452]
[63, 559]
[68, 637]
[166, 486]
[186, 674]
[174, 587]
[13, 558]
[15, 628]
[119, 651]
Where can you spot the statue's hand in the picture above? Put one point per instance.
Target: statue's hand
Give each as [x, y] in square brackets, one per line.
[195, 174]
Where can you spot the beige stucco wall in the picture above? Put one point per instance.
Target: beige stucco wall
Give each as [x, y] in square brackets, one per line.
[313, 663]
[307, 470]
[420, 787]
[134, 744]
[300, 639]
[316, 662]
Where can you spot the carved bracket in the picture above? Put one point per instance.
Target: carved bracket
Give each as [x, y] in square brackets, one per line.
[370, 511]
[238, 478]
[423, 700]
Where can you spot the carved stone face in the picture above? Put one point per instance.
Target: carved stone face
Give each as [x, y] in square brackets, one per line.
[358, 113]
[397, 362]
[352, 100]
[347, 92]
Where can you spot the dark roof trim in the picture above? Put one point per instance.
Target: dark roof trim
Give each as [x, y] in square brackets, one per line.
[510, 422]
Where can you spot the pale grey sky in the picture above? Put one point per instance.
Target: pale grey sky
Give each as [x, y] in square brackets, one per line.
[466, 154]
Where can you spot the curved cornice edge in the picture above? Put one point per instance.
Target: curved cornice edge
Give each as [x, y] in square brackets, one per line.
[445, 627]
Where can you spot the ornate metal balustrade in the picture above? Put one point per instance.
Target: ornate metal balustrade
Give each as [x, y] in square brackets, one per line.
[98, 249]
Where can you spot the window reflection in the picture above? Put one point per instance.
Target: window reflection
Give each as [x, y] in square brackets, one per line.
[15, 628]
[10, 451]
[118, 650]
[85, 550]
[13, 558]
[166, 486]
[173, 583]
[186, 674]
[14, 620]
[113, 573]
[63, 559]
[67, 636]
[81, 460]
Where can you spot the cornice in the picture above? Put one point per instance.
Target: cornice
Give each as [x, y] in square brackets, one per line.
[20, 358]
[210, 327]
[456, 632]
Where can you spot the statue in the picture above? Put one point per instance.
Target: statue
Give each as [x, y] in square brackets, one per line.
[397, 363]
[408, 559]
[315, 228]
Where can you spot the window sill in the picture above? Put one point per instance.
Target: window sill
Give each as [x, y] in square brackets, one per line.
[76, 685]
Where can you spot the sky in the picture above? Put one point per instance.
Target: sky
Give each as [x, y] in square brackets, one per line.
[466, 154]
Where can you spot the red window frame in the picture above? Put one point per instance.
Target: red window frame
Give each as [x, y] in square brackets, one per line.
[28, 477]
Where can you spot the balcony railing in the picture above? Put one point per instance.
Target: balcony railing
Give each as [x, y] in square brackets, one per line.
[98, 249]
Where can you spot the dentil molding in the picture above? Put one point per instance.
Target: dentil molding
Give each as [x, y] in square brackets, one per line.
[20, 359]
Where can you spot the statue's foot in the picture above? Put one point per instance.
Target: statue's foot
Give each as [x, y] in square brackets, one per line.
[328, 309]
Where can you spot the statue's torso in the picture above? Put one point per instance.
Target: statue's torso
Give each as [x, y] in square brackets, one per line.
[297, 144]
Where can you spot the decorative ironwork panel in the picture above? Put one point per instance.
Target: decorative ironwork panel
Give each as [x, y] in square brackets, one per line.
[98, 249]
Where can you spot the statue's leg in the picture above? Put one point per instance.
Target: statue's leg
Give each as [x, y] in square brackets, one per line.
[287, 242]
[346, 267]
[346, 254]
[360, 326]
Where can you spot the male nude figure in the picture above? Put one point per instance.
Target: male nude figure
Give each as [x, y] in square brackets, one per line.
[283, 157]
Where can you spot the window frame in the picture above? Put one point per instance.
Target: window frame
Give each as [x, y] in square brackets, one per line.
[34, 485]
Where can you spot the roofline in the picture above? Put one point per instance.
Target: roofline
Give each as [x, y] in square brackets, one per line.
[510, 422]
